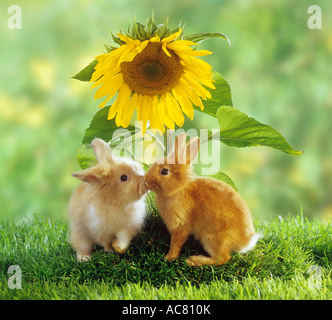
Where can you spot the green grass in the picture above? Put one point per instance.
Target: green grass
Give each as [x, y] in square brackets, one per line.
[276, 269]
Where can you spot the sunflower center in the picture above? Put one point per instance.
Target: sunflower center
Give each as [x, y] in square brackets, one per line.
[152, 72]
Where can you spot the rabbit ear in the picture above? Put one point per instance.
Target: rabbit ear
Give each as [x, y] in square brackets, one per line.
[178, 153]
[192, 148]
[102, 151]
[88, 175]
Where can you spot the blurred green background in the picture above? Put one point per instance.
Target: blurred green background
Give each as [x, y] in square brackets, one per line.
[279, 70]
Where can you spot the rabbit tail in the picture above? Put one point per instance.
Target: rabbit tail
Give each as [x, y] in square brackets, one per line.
[251, 244]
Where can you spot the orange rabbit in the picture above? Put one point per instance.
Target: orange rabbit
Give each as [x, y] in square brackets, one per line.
[108, 208]
[209, 209]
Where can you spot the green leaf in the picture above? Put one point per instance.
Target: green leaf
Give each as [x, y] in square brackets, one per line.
[151, 26]
[86, 73]
[117, 40]
[221, 96]
[86, 157]
[199, 37]
[163, 30]
[102, 128]
[239, 130]
[225, 178]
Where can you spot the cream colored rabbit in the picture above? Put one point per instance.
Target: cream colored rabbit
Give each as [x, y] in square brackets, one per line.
[108, 208]
[208, 208]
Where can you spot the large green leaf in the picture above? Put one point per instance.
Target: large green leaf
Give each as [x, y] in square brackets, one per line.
[86, 73]
[239, 130]
[86, 157]
[221, 96]
[225, 178]
[101, 128]
[198, 37]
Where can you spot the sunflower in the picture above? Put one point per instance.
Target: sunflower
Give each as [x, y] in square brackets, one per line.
[160, 76]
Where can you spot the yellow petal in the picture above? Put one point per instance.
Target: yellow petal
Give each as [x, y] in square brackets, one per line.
[146, 115]
[163, 112]
[102, 105]
[111, 56]
[142, 46]
[110, 87]
[118, 119]
[112, 110]
[156, 38]
[193, 64]
[122, 100]
[128, 40]
[200, 63]
[155, 116]
[196, 86]
[126, 117]
[206, 81]
[174, 110]
[139, 106]
[171, 37]
[107, 76]
[109, 64]
[185, 90]
[128, 55]
[179, 48]
[185, 103]
[101, 57]
[142, 110]
[153, 112]
[164, 47]
[199, 53]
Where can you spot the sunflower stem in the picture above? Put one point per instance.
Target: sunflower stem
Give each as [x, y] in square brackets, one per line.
[133, 156]
[117, 137]
[158, 141]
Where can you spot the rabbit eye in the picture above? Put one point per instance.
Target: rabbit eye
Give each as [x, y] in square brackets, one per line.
[124, 177]
[164, 172]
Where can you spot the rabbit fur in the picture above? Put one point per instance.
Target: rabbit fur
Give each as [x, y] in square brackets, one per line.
[208, 208]
[108, 208]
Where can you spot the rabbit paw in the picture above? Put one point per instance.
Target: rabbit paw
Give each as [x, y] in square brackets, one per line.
[197, 261]
[170, 257]
[119, 250]
[118, 247]
[83, 258]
